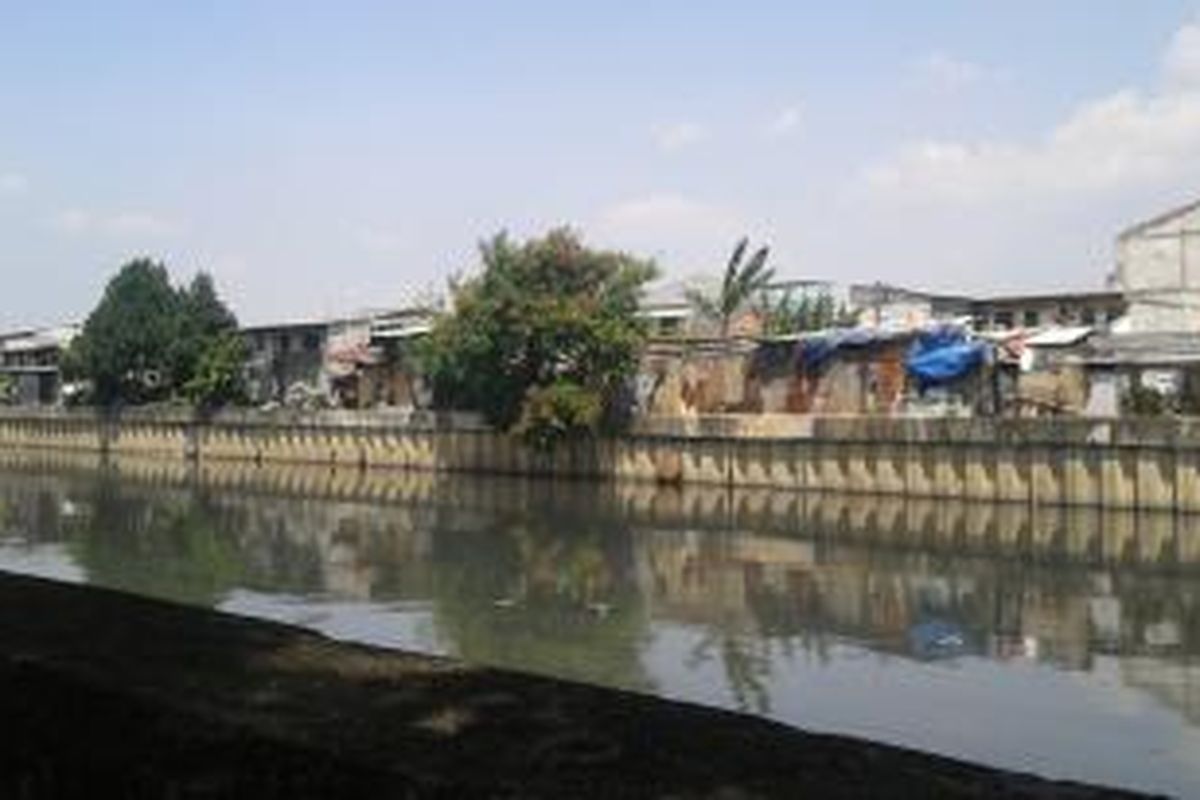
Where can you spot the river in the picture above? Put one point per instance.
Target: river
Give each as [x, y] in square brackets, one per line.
[1064, 643]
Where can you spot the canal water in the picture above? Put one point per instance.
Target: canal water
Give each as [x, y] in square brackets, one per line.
[1065, 643]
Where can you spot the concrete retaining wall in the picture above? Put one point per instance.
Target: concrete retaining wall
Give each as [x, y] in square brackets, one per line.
[1147, 464]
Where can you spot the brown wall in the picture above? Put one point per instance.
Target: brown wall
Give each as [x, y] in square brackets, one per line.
[1120, 464]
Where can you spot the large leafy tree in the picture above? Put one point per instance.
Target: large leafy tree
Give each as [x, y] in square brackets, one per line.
[147, 340]
[126, 343]
[217, 378]
[743, 280]
[202, 321]
[543, 339]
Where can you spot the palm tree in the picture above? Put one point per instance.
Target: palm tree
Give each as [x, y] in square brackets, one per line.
[742, 283]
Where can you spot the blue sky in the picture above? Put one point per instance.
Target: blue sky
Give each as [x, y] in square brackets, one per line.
[323, 157]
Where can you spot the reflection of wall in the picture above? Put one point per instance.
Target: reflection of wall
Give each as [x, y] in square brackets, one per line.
[1020, 582]
[1175, 684]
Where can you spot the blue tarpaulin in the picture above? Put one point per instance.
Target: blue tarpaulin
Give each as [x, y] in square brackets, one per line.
[936, 638]
[943, 355]
[815, 349]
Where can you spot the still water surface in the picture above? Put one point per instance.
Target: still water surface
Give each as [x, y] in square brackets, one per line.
[1063, 643]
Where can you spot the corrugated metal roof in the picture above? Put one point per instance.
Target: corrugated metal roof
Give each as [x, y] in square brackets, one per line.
[1060, 337]
[39, 340]
[1144, 349]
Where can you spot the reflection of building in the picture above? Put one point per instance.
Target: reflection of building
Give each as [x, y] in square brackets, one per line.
[30, 361]
[1173, 682]
[807, 571]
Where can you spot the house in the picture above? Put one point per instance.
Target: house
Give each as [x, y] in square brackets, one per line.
[1143, 373]
[670, 314]
[389, 376]
[1099, 309]
[351, 362]
[667, 311]
[1158, 271]
[882, 305]
[30, 364]
[284, 355]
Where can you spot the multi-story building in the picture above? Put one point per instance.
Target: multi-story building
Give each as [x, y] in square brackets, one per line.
[283, 355]
[881, 305]
[1158, 271]
[1047, 310]
[352, 362]
[30, 364]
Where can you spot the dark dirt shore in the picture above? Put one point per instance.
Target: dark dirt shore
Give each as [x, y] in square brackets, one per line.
[103, 694]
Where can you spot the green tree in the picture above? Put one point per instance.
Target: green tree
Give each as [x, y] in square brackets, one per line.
[742, 282]
[543, 339]
[126, 343]
[203, 323]
[787, 313]
[148, 341]
[217, 379]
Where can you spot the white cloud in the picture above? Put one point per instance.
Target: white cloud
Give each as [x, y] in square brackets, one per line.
[667, 213]
[119, 225]
[676, 136]
[947, 73]
[138, 223]
[1181, 64]
[72, 221]
[12, 183]
[785, 123]
[680, 231]
[1130, 138]
[380, 241]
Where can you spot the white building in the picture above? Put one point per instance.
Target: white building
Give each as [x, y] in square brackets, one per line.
[1158, 270]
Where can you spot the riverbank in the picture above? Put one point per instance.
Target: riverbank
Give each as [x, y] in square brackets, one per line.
[105, 691]
[1121, 464]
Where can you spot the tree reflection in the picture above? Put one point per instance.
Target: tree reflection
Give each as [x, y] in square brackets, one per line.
[747, 664]
[168, 546]
[546, 595]
[566, 580]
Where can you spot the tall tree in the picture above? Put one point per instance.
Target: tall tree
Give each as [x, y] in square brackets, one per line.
[203, 321]
[543, 339]
[741, 283]
[148, 341]
[126, 343]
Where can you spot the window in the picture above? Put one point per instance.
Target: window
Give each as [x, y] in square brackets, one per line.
[312, 341]
[1088, 316]
[1031, 319]
[1003, 319]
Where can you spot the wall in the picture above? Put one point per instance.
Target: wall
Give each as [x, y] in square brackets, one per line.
[739, 377]
[1158, 266]
[1149, 464]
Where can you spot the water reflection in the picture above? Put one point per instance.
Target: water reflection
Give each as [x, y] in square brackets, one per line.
[763, 601]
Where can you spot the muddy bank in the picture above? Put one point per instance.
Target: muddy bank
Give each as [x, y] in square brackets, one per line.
[103, 693]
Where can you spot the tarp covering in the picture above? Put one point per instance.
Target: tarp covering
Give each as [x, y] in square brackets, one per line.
[943, 355]
[815, 349]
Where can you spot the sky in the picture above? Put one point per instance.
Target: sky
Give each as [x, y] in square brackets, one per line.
[321, 158]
